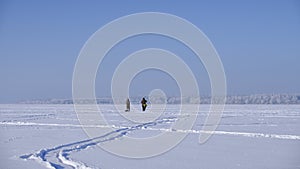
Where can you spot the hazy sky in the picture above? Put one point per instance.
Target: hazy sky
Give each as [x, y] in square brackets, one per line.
[258, 43]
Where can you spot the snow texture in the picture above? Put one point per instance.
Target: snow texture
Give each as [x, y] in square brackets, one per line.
[249, 136]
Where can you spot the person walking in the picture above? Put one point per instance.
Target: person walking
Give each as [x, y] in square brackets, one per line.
[144, 104]
[127, 105]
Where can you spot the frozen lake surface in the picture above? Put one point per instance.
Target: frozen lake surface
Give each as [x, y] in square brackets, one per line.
[248, 136]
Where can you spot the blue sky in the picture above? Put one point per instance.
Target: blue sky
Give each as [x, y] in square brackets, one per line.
[258, 43]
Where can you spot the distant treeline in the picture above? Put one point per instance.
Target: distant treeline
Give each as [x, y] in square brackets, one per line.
[245, 99]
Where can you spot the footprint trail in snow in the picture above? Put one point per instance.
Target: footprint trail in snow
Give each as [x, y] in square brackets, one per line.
[59, 157]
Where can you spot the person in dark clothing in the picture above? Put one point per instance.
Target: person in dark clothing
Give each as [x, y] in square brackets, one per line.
[144, 104]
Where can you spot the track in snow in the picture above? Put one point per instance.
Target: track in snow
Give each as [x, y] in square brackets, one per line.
[59, 157]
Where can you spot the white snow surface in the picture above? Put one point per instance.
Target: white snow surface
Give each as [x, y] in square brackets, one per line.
[248, 136]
